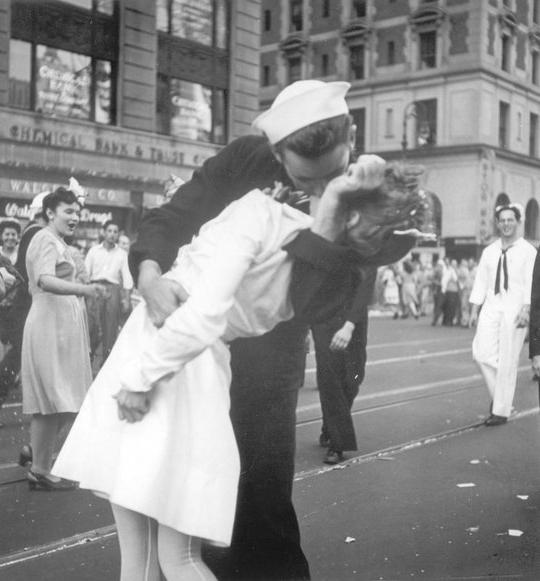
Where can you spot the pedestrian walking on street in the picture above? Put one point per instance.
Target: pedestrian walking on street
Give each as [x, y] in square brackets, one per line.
[173, 382]
[55, 369]
[450, 290]
[502, 288]
[391, 290]
[107, 264]
[409, 291]
[340, 354]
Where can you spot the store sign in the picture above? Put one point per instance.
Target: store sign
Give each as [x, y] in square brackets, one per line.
[20, 209]
[103, 196]
[103, 143]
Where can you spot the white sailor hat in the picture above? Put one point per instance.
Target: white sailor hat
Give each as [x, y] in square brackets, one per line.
[301, 104]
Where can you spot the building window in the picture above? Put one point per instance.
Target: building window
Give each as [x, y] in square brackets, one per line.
[391, 53]
[62, 84]
[426, 122]
[506, 45]
[359, 120]
[266, 76]
[519, 122]
[267, 20]
[294, 69]
[357, 60]
[531, 220]
[533, 135]
[204, 21]
[191, 110]
[428, 49]
[324, 65]
[359, 8]
[504, 117]
[535, 62]
[296, 14]
[326, 8]
[389, 123]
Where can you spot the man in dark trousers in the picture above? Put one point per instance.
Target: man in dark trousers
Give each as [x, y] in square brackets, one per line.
[340, 353]
[308, 140]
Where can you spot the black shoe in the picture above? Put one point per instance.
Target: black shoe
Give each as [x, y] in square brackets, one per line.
[324, 441]
[333, 457]
[42, 482]
[25, 456]
[495, 420]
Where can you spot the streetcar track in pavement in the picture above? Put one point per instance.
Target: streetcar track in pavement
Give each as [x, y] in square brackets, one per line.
[464, 384]
[103, 533]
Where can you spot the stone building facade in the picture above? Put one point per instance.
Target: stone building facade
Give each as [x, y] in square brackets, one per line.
[120, 94]
[451, 84]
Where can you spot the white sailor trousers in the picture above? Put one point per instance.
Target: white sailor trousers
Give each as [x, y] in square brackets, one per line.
[496, 348]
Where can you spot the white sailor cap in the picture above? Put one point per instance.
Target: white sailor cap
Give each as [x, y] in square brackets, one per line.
[301, 104]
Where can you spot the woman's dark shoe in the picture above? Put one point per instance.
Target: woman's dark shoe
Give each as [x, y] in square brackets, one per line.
[495, 420]
[333, 457]
[25, 456]
[42, 482]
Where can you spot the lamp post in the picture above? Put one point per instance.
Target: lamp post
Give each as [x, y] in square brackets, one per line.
[412, 110]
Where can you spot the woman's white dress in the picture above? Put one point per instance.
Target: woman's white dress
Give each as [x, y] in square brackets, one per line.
[180, 464]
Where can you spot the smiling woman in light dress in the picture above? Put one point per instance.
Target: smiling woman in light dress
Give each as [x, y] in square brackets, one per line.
[55, 370]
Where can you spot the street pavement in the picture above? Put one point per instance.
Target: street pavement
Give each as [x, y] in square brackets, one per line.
[430, 494]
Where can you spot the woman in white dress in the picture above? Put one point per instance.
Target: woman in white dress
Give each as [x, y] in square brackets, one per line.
[172, 477]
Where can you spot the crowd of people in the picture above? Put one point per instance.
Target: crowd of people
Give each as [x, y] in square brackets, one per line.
[439, 289]
[187, 424]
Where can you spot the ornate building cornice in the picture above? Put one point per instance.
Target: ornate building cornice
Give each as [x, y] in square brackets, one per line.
[427, 17]
[293, 46]
[356, 31]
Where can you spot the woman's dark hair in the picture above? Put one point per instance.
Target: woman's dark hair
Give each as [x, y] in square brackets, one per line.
[318, 138]
[10, 224]
[60, 195]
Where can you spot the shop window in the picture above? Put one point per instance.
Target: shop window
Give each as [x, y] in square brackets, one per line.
[191, 110]
[63, 84]
[103, 6]
[359, 120]
[359, 8]
[533, 135]
[504, 119]
[297, 16]
[202, 21]
[20, 74]
[357, 61]
[428, 49]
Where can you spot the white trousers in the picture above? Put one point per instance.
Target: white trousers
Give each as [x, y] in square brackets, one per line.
[496, 348]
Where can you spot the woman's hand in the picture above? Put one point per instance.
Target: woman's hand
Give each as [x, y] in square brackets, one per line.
[367, 173]
[522, 319]
[95, 290]
[132, 405]
[8, 279]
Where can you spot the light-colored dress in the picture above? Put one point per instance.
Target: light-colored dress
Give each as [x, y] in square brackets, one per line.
[55, 367]
[180, 464]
